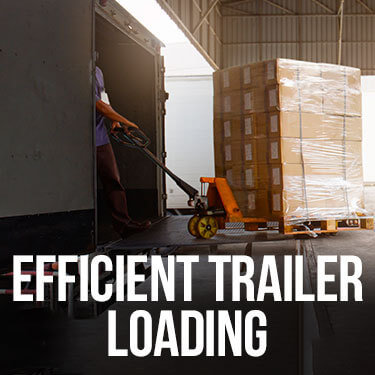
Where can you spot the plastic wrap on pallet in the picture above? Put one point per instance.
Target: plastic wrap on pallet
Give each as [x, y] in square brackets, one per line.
[288, 138]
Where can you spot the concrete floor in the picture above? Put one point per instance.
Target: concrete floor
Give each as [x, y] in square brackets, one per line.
[350, 350]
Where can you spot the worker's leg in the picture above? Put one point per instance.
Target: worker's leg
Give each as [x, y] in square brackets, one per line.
[115, 193]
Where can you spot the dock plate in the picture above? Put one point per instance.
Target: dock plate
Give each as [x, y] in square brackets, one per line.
[172, 231]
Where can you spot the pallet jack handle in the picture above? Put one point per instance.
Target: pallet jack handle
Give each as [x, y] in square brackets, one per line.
[134, 137]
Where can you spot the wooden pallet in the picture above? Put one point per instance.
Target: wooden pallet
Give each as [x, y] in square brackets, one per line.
[314, 226]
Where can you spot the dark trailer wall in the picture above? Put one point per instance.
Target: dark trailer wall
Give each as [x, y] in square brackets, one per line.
[47, 152]
[134, 80]
[46, 130]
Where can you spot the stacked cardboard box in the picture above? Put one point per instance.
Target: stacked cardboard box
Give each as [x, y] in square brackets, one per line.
[288, 139]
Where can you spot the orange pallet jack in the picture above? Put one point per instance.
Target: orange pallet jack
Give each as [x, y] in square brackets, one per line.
[223, 209]
[217, 206]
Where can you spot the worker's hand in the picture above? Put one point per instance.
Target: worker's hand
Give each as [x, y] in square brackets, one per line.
[129, 125]
[116, 126]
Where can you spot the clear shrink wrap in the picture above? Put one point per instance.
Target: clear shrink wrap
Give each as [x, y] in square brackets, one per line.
[288, 138]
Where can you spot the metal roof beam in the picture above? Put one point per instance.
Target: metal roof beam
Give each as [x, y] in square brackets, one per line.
[365, 5]
[195, 2]
[317, 2]
[205, 15]
[234, 3]
[171, 12]
[265, 15]
[278, 6]
[243, 12]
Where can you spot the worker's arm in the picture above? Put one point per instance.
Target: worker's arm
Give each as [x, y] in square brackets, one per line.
[107, 111]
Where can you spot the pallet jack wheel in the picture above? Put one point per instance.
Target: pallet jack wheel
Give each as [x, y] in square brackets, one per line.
[207, 227]
[192, 226]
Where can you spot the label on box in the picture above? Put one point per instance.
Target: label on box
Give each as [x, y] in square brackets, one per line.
[248, 152]
[229, 176]
[274, 124]
[272, 95]
[276, 202]
[248, 126]
[276, 176]
[249, 176]
[271, 71]
[228, 153]
[247, 101]
[274, 150]
[227, 132]
[227, 106]
[246, 76]
[226, 79]
[251, 201]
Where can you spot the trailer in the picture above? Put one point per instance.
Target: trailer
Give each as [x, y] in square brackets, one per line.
[51, 201]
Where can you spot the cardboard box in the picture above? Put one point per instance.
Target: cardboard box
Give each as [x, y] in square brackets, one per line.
[248, 175]
[284, 150]
[343, 102]
[240, 128]
[332, 152]
[317, 177]
[339, 204]
[227, 79]
[314, 151]
[253, 75]
[255, 175]
[228, 104]
[232, 152]
[253, 203]
[216, 82]
[254, 150]
[253, 100]
[292, 98]
[231, 104]
[336, 77]
[286, 71]
[353, 128]
[229, 129]
[316, 191]
[290, 124]
[217, 106]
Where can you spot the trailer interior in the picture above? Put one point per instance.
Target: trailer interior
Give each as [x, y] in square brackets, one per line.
[130, 79]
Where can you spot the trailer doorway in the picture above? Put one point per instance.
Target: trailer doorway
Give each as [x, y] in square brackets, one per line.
[133, 83]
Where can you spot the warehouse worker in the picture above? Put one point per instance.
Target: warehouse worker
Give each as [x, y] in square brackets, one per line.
[106, 163]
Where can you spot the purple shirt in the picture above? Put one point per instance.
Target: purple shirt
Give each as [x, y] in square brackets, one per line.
[101, 131]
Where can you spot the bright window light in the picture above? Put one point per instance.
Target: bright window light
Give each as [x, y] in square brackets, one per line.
[181, 57]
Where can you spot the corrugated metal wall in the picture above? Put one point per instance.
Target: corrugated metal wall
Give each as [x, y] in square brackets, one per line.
[238, 32]
[310, 36]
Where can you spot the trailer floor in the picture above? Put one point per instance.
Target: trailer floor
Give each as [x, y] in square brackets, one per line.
[172, 232]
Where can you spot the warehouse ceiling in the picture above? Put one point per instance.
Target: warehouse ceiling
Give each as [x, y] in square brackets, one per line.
[235, 32]
[278, 7]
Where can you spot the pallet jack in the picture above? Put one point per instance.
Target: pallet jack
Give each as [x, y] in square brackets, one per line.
[216, 206]
[210, 213]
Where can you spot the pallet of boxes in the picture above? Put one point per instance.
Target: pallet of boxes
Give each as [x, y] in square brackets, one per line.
[288, 139]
